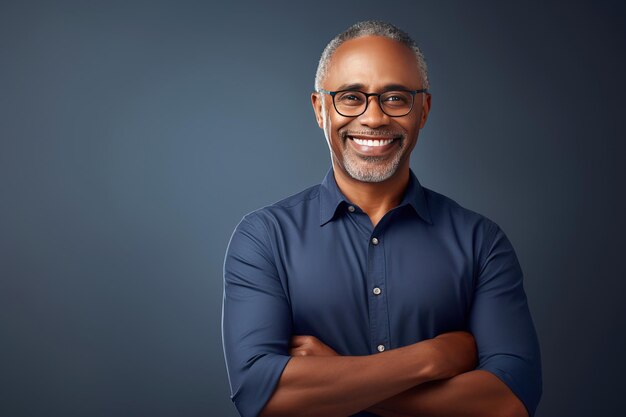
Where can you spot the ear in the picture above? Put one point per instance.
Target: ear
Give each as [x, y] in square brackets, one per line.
[316, 101]
[425, 109]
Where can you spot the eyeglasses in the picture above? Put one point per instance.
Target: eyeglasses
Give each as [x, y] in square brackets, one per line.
[353, 103]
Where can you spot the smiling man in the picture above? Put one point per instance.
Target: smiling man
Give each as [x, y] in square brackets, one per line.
[369, 294]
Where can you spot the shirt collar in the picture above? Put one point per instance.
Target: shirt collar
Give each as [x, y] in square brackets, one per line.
[331, 197]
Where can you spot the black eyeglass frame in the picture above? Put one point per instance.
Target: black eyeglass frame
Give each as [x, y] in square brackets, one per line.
[367, 97]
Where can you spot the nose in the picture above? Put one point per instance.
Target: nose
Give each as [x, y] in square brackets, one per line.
[374, 115]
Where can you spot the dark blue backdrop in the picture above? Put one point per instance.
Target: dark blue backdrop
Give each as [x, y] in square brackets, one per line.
[135, 135]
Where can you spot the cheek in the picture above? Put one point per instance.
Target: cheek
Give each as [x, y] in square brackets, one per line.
[411, 127]
[333, 125]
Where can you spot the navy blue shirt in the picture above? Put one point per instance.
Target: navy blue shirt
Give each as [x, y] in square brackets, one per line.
[312, 264]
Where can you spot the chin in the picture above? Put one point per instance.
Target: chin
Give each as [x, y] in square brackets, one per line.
[366, 175]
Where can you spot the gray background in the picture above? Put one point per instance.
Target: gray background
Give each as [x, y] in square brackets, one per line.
[135, 135]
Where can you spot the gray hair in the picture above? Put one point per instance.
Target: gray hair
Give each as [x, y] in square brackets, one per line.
[369, 28]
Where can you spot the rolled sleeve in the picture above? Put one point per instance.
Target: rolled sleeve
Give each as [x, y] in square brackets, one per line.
[256, 318]
[501, 323]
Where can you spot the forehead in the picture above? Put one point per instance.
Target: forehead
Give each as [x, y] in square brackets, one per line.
[373, 61]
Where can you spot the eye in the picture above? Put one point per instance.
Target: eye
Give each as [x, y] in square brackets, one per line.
[396, 98]
[350, 98]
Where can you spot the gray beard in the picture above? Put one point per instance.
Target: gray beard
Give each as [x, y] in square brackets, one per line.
[371, 168]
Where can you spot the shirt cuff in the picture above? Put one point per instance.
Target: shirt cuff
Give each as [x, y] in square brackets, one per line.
[259, 384]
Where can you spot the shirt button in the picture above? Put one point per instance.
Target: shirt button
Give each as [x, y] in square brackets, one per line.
[381, 348]
[351, 209]
[376, 291]
[375, 241]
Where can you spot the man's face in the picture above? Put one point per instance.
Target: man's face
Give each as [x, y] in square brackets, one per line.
[371, 64]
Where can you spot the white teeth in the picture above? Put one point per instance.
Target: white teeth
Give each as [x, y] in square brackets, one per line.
[373, 142]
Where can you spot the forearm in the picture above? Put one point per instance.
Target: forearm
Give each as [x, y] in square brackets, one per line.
[344, 385]
[471, 394]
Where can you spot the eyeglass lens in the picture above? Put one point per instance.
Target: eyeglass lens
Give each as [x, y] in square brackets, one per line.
[393, 103]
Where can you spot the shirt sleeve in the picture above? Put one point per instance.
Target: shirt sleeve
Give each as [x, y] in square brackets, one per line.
[501, 323]
[256, 318]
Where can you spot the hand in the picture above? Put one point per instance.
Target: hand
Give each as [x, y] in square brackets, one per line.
[310, 346]
[454, 353]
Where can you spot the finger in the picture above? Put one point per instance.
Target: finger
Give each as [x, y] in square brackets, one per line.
[298, 352]
[299, 340]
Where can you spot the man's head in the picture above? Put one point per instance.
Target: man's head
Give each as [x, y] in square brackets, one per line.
[371, 57]
[369, 28]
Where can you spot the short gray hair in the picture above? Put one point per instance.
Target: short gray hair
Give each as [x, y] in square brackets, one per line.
[369, 28]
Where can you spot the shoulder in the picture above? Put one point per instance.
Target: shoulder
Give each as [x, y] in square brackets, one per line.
[294, 206]
[488, 243]
[445, 208]
[463, 225]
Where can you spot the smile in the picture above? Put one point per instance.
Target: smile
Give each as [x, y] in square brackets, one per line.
[373, 147]
[376, 142]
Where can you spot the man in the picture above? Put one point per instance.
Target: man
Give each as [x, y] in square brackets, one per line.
[369, 294]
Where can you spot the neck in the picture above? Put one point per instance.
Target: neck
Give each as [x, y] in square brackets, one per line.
[374, 198]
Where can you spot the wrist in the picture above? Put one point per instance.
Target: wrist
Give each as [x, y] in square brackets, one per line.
[427, 369]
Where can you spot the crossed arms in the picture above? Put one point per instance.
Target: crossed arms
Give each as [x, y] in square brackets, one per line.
[493, 369]
[429, 378]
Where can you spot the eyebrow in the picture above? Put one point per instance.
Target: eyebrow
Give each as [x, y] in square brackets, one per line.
[387, 87]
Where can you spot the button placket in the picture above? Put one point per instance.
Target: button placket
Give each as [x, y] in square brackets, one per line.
[379, 314]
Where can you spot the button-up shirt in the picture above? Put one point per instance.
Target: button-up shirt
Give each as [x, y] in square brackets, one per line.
[313, 264]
